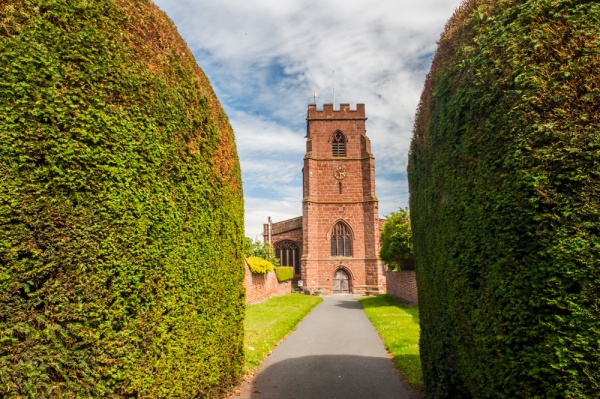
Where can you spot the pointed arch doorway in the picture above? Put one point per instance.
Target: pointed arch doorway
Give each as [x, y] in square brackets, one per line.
[341, 282]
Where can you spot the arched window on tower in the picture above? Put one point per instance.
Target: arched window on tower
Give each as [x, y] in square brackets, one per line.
[338, 144]
[288, 254]
[341, 240]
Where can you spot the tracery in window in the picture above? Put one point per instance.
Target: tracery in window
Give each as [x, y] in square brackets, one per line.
[338, 144]
[341, 240]
[288, 254]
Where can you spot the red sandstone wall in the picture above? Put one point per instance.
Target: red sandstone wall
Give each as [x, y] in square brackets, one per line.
[290, 229]
[287, 225]
[324, 205]
[260, 287]
[402, 284]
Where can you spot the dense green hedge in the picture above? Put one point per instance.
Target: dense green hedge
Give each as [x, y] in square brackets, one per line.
[504, 175]
[121, 210]
[259, 265]
[284, 273]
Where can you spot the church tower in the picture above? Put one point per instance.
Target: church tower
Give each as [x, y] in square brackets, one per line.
[340, 223]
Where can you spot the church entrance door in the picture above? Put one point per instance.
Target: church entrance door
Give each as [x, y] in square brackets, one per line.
[341, 282]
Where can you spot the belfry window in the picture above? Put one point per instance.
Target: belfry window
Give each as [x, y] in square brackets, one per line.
[341, 240]
[288, 254]
[338, 144]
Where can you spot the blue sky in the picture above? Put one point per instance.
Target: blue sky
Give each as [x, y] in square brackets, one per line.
[265, 58]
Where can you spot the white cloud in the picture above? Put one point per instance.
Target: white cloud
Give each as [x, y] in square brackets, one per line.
[392, 194]
[265, 58]
[259, 209]
[259, 134]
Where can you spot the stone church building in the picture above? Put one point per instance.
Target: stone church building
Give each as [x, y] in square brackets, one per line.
[334, 245]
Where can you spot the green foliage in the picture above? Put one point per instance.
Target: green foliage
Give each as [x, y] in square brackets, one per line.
[396, 241]
[121, 211]
[504, 176]
[268, 322]
[284, 273]
[260, 250]
[398, 326]
[259, 265]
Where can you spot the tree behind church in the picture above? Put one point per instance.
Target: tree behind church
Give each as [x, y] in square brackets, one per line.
[396, 241]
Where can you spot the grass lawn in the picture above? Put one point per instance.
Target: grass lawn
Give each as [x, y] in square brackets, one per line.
[398, 326]
[269, 322]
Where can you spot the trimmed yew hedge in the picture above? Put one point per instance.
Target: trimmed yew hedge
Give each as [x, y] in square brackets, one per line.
[259, 265]
[121, 210]
[504, 175]
[284, 273]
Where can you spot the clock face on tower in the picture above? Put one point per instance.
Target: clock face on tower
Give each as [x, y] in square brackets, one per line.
[339, 172]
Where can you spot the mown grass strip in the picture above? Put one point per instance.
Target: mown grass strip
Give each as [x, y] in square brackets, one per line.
[269, 322]
[398, 326]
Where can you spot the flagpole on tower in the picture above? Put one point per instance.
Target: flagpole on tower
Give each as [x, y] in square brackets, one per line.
[333, 78]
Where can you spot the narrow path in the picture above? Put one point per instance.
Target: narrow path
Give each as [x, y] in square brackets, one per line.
[334, 353]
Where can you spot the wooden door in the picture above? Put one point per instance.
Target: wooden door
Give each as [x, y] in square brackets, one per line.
[341, 282]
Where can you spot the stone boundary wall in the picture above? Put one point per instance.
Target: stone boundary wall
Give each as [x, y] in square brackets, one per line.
[402, 284]
[260, 287]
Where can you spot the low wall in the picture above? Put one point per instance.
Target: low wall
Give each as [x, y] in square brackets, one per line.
[260, 287]
[402, 284]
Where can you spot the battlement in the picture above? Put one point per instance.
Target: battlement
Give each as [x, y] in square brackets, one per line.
[329, 113]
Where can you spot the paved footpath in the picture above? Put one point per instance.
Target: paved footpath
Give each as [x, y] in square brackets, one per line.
[334, 353]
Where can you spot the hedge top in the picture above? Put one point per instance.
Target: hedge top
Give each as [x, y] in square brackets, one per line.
[259, 265]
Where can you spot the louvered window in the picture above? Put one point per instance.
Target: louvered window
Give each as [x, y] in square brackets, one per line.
[338, 144]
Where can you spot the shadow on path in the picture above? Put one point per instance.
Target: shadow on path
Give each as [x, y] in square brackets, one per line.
[328, 376]
[349, 305]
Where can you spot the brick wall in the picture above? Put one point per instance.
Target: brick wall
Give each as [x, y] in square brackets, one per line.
[402, 284]
[260, 287]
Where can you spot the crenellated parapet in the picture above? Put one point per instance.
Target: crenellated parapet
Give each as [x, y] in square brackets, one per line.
[344, 112]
